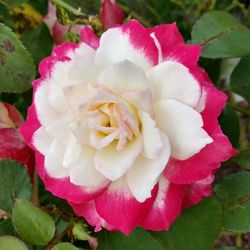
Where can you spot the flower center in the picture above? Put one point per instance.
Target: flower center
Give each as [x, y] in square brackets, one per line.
[114, 121]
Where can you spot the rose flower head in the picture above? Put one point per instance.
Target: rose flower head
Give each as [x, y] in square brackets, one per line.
[125, 127]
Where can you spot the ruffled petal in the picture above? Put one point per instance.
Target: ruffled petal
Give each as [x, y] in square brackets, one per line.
[119, 208]
[124, 76]
[137, 46]
[166, 207]
[183, 125]
[145, 173]
[172, 80]
[112, 163]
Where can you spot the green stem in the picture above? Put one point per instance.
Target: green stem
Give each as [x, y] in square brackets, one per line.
[68, 7]
[35, 190]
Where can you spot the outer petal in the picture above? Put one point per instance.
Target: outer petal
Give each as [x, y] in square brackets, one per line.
[167, 35]
[198, 190]
[63, 188]
[88, 211]
[112, 163]
[119, 208]
[191, 170]
[172, 80]
[128, 42]
[124, 76]
[144, 174]
[89, 37]
[183, 125]
[166, 207]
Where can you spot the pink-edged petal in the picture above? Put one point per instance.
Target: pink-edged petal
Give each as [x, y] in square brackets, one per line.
[196, 191]
[167, 35]
[89, 37]
[112, 163]
[151, 136]
[88, 211]
[135, 41]
[119, 208]
[166, 207]
[32, 123]
[172, 80]
[187, 55]
[211, 156]
[54, 161]
[183, 125]
[123, 76]
[144, 174]
[63, 188]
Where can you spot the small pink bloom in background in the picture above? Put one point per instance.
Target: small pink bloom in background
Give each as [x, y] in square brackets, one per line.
[125, 128]
[57, 30]
[12, 144]
[111, 14]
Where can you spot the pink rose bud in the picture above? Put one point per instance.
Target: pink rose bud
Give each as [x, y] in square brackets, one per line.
[111, 14]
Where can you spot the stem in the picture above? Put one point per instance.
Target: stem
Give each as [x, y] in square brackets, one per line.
[68, 7]
[238, 240]
[35, 190]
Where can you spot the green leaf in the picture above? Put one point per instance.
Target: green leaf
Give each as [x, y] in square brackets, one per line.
[221, 36]
[240, 78]
[38, 42]
[139, 239]
[11, 243]
[196, 228]
[230, 125]
[6, 227]
[17, 69]
[32, 224]
[65, 246]
[234, 192]
[230, 248]
[243, 158]
[14, 183]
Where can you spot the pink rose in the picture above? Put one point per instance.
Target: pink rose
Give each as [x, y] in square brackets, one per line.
[111, 14]
[12, 144]
[125, 128]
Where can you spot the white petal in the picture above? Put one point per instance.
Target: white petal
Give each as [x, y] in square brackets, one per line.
[172, 80]
[42, 140]
[82, 171]
[144, 173]
[151, 136]
[81, 131]
[59, 74]
[123, 76]
[72, 152]
[183, 126]
[60, 128]
[112, 163]
[53, 161]
[46, 114]
[141, 100]
[115, 46]
[57, 98]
